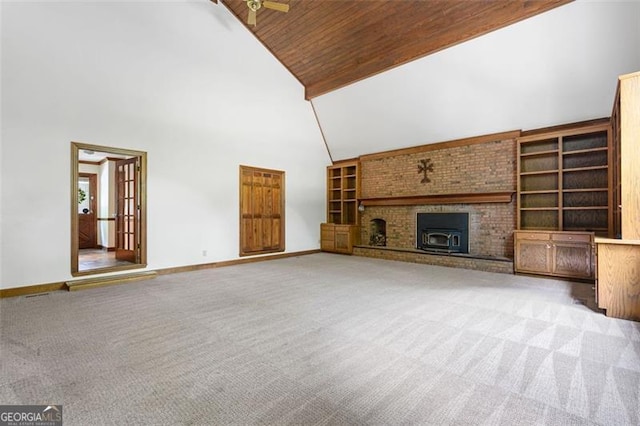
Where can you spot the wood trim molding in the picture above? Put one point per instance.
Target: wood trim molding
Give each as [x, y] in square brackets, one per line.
[44, 288]
[114, 159]
[564, 127]
[31, 289]
[471, 198]
[565, 131]
[513, 134]
[241, 261]
[620, 241]
[93, 282]
[324, 139]
[346, 161]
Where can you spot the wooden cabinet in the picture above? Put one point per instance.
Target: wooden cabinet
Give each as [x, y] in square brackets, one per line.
[562, 254]
[626, 130]
[618, 260]
[564, 181]
[341, 231]
[565, 197]
[618, 278]
[338, 238]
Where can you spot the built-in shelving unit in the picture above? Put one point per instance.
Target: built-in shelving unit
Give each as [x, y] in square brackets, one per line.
[564, 180]
[340, 232]
[342, 184]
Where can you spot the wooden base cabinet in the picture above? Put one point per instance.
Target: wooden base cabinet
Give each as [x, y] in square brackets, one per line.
[555, 253]
[338, 238]
[618, 283]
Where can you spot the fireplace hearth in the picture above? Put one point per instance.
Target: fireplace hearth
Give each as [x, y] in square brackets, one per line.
[443, 232]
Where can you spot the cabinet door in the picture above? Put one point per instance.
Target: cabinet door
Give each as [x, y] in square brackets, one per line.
[572, 259]
[327, 244]
[343, 240]
[533, 256]
[327, 237]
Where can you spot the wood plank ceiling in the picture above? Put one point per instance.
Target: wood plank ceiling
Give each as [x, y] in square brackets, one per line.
[328, 44]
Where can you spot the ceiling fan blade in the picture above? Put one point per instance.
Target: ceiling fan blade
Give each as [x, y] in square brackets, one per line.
[251, 19]
[280, 7]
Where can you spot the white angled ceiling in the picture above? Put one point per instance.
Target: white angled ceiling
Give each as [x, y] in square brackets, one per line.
[555, 68]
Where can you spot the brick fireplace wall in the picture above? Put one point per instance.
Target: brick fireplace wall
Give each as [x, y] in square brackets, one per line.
[478, 165]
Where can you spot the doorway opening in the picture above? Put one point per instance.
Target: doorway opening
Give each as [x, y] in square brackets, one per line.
[108, 215]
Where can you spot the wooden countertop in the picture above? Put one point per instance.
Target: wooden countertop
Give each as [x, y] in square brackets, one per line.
[600, 240]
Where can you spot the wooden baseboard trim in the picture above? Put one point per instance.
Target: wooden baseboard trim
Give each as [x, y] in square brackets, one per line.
[118, 279]
[110, 280]
[31, 289]
[223, 263]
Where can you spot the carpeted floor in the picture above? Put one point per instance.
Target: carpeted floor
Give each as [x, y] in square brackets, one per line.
[323, 339]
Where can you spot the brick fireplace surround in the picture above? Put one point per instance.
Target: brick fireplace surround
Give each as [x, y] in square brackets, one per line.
[476, 175]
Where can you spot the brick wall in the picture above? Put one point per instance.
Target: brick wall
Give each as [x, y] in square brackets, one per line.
[488, 166]
[480, 167]
[490, 225]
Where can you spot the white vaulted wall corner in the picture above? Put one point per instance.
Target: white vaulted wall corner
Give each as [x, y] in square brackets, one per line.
[183, 81]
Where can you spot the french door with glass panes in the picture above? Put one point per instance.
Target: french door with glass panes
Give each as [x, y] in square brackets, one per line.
[127, 210]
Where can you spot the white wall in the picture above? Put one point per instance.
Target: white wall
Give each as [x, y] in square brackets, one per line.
[95, 170]
[107, 205]
[554, 68]
[183, 81]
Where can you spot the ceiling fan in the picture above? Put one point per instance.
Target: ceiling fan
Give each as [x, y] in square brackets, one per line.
[254, 5]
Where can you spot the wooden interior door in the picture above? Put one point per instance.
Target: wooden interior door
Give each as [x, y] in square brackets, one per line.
[87, 220]
[261, 211]
[127, 210]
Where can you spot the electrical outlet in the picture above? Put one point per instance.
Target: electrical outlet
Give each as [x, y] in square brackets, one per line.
[204, 253]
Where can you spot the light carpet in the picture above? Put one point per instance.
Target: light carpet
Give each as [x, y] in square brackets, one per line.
[324, 339]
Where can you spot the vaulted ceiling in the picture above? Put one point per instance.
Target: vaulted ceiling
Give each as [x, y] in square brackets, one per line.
[328, 44]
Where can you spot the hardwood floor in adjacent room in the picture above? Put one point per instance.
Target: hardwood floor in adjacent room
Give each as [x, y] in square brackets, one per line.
[98, 258]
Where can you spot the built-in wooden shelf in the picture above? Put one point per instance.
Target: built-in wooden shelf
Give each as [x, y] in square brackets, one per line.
[469, 198]
[564, 180]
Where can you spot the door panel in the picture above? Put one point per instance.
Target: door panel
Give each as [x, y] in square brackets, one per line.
[533, 256]
[261, 206]
[573, 260]
[87, 231]
[127, 212]
[87, 219]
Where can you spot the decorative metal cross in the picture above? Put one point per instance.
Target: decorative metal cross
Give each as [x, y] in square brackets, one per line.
[423, 167]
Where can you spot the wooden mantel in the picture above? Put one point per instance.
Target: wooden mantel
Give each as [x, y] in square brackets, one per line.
[414, 200]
